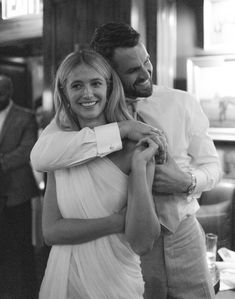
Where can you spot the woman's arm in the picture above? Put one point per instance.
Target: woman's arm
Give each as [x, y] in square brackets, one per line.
[142, 225]
[59, 230]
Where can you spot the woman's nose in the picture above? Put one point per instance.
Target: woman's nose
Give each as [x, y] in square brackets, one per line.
[88, 92]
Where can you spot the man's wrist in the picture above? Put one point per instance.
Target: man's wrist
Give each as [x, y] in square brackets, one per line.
[122, 125]
[192, 185]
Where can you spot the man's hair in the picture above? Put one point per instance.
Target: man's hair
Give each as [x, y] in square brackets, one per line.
[110, 36]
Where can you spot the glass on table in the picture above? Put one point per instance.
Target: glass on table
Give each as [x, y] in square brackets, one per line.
[211, 251]
[211, 247]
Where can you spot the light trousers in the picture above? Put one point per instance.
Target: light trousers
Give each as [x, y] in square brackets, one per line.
[176, 267]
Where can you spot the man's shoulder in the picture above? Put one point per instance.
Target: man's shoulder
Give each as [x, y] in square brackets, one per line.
[164, 94]
[164, 91]
[23, 116]
[23, 110]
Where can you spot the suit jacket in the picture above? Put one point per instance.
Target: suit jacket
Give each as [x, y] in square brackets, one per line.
[18, 135]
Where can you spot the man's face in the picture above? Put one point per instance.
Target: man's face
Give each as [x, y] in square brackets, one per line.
[5, 94]
[135, 70]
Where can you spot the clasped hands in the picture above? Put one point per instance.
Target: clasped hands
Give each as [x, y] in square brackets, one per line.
[168, 177]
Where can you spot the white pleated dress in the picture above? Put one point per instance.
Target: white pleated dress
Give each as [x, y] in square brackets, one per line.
[106, 268]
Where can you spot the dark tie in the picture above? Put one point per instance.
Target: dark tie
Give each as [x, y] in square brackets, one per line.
[165, 204]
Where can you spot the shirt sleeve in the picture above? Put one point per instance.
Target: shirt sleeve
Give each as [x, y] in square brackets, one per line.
[205, 160]
[56, 149]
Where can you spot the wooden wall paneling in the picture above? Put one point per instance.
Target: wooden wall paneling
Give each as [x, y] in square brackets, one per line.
[83, 23]
[65, 16]
[91, 14]
[48, 43]
[151, 33]
[69, 25]
[121, 11]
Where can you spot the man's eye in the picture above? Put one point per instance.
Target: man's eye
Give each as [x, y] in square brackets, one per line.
[131, 71]
[147, 61]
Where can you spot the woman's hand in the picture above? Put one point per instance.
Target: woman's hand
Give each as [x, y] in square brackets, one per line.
[136, 130]
[144, 156]
[145, 151]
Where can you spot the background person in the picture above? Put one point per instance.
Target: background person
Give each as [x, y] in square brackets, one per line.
[18, 133]
[176, 267]
[94, 239]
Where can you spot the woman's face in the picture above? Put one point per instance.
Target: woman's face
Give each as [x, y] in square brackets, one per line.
[86, 90]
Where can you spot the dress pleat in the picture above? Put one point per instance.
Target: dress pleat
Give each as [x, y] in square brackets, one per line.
[106, 268]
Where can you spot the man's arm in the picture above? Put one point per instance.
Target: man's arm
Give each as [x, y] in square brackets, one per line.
[204, 165]
[56, 149]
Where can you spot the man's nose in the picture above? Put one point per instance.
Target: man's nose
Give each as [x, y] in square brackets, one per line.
[145, 72]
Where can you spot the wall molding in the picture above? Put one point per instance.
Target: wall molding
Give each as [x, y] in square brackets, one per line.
[20, 28]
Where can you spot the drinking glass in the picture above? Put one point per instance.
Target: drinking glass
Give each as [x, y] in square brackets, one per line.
[211, 247]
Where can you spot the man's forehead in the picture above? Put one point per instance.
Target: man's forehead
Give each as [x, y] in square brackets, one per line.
[130, 57]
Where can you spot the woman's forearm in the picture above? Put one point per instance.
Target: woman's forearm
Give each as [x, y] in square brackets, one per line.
[142, 225]
[76, 231]
[59, 230]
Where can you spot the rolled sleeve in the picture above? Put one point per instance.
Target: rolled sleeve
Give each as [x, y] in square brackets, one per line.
[205, 160]
[56, 149]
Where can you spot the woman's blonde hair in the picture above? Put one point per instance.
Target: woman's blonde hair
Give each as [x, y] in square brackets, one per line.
[115, 110]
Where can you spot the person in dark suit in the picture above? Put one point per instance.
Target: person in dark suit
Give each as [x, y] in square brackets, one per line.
[18, 133]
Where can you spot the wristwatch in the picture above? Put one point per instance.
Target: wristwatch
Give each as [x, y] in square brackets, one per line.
[193, 184]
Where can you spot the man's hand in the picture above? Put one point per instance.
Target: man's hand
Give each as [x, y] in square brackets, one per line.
[169, 178]
[136, 130]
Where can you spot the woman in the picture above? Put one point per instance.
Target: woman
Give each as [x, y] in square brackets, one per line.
[99, 216]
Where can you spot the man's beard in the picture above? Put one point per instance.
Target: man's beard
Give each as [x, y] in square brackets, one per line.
[135, 91]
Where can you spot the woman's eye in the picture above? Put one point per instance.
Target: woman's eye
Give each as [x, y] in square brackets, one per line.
[97, 84]
[77, 86]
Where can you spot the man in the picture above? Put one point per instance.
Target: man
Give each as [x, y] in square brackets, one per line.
[176, 267]
[18, 133]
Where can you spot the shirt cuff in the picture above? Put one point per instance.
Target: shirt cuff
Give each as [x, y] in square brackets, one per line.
[200, 186]
[108, 139]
